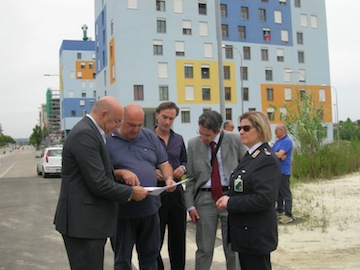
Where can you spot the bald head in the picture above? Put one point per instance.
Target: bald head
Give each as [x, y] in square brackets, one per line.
[280, 130]
[133, 120]
[108, 113]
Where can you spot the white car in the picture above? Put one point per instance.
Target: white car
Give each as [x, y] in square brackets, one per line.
[49, 162]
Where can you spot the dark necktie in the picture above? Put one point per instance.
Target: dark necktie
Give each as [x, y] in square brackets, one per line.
[216, 189]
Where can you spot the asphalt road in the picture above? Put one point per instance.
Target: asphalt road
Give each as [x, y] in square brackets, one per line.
[28, 239]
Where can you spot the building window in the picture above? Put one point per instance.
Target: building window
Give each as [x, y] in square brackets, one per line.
[188, 71]
[313, 21]
[162, 70]
[322, 97]
[138, 92]
[320, 113]
[158, 47]
[300, 38]
[277, 16]
[224, 31]
[83, 84]
[298, 3]
[189, 93]
[79, 74]
[229, 52]
[82, 103]
[186, 27]
[161, 25]
[179, 48]
[73, 113]
[245, 93]
[284, 36]
[270, 114]
[178, 6]
[83, 94]
[185, 116]
[92, 102]
[244, 73]
[202, 8]
[264, 54]
[269, 94]
[262, 15]
[268, 74]
[160, 5]
[94, 94]
[78, 55]
[82, 65]
[205, 72]
[280, 55]
[244, 13]
[228, 113]
[287, 94]
[226, 73]
[242, 32]
[203, 29]
[301, 57]
[266, 34]
[223, 10]
[265, 1]
[132, 4]
[111, 28]
[208, 50]
[247, 52]
[228, 93]
[163, 92]
[282, 2]
[91, 65]
[205, 90]
[303, 20]
[302, 94]
[83, 113]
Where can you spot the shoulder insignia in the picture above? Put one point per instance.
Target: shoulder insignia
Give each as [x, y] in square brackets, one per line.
[255, 154]
[267, 152]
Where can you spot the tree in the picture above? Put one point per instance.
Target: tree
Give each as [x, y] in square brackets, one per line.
[349, 130]
[37, 136]
[303, 119]
[4, 139]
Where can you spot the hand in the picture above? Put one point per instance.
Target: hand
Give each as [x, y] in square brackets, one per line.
[139, 193]
[128, 177]
[159, 175]
[178, 172]
[222, 202]
[194, 215]
[170, 182]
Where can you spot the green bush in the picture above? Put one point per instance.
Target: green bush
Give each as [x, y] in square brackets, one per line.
[331, 160]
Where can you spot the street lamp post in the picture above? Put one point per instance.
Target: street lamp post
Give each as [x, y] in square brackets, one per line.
[241, 76]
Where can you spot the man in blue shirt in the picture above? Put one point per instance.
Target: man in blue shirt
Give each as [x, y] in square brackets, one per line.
[136, 153]
[283, 148]
[172, 212]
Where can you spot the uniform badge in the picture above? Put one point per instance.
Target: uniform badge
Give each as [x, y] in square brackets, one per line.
[267, 152]
[255, 154]
[238, 184]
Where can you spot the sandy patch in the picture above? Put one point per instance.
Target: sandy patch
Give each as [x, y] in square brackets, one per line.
[326, 234]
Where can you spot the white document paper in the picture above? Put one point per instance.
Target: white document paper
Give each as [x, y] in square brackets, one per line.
[156, 191]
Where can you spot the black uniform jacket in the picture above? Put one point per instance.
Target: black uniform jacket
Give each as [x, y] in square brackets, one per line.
[254, 188]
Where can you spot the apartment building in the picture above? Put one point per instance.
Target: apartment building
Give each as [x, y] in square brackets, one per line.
[77, 81]
[272, 51]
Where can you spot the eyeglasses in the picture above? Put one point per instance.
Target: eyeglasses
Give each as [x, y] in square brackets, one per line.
[206, 136]
[245, 128]
[118, 122]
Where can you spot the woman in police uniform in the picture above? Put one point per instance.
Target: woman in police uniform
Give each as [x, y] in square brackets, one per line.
[254, 187]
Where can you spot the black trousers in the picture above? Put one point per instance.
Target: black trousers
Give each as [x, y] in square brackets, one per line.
[85, 254]
[284, 200]
[254, 262]
[172, 214]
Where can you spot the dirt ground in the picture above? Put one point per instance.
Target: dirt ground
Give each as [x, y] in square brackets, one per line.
[326, 233]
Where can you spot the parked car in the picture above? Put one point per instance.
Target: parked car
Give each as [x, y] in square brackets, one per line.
[49, 162]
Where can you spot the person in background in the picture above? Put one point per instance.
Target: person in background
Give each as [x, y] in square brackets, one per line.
[136, 153]
[89, 196]
[172, 212]
[229, 125]
[283, 148]
[253, 190]
[208, 178]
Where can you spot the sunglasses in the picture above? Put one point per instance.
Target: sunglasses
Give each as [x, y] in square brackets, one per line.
[245, 128]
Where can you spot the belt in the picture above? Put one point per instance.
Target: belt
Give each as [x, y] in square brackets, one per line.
[224, 188]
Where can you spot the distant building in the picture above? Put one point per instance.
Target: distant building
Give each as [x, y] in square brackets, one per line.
[77, 81]
[52, 117]
[148, 52]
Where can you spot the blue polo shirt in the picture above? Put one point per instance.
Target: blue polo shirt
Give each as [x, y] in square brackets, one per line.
[286, 144]
[141, 156]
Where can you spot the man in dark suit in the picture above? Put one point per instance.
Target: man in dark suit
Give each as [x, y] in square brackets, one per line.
[198, 194]
[86, 213]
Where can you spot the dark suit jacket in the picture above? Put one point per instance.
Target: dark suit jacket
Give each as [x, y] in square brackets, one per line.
[252, 216]
[89, 196]
[199, 167]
